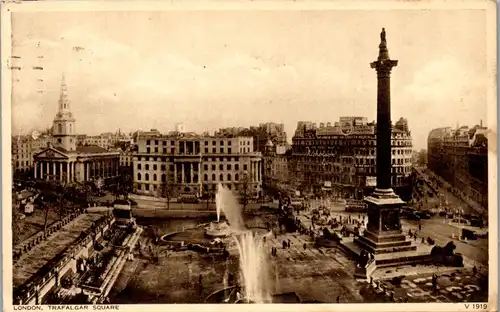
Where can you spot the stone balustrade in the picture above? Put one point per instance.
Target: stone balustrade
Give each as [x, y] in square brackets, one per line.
[30, 292]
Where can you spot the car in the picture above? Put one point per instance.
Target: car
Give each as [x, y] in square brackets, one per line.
[423, 215]
[413, 216]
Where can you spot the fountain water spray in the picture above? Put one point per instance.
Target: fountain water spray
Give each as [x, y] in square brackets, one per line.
[253, 262]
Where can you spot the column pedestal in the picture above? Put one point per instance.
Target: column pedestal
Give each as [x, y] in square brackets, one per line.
[383, 233]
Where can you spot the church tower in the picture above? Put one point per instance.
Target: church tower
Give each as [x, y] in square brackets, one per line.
[64, 124]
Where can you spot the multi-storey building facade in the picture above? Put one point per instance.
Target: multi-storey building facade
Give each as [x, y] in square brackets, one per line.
[265, 132]
[24, 147]
[104, 140]
[460, 157]
[276, 163]
[127, 156]
[343, 155]
[194, 164]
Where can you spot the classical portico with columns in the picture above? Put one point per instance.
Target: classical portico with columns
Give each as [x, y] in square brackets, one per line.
[64, 160]
[87, 163]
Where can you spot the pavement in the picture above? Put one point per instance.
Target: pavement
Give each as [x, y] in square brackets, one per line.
[452, 286]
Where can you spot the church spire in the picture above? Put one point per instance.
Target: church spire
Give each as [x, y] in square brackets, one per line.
[63, 97]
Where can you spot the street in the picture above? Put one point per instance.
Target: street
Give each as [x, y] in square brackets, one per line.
[476, 250]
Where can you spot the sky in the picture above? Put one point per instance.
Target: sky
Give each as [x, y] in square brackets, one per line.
[213, 69]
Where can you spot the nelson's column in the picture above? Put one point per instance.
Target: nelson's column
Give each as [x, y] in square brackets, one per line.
[383, 233]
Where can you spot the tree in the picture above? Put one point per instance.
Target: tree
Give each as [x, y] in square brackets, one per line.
[167, 190]
[209, 193]
[16, 217]
[244, 190]
[123, 186]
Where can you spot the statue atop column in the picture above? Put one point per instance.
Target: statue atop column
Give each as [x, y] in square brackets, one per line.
[382, 36]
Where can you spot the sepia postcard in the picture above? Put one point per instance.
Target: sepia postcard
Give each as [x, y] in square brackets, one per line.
[284, 155]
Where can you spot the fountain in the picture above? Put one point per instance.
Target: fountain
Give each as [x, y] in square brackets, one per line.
[250, 246]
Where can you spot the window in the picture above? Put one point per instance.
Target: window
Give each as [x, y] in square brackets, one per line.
[138, 177]
[213, 167]
[138, 166]
[237, 167]
[221, 177]
[229, 150]
[213, 150]
[147, 176]
[228, 166]
[213, 177]
[236, 177]
[147, 187]
[221, 167]
[244, 167]
[172, 143]
[163, 178]
[148, 150]
[229, 177]
[164, 142]
[147, 167]
[164, 150]
[163, 167]
[156, 142]
[221, 143]
[155, 167]
[156, 149]
[206, 150]
[154, 177]
[172, 168]
[205, 177]
[213, 143]
[148, 142]
[206, 143]
[205, 167]
[172, 150]
[229, 143]
[221, 150]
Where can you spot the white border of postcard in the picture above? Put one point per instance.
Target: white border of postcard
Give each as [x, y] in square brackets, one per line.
[488, 5]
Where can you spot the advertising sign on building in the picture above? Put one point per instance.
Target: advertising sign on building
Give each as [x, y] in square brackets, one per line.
[346, 128]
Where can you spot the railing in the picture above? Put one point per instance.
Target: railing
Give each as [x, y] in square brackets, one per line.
[25, 292]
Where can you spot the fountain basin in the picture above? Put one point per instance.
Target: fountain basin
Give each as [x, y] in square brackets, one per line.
[217, 230]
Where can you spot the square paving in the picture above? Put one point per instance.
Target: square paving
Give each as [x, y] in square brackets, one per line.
[42, 253]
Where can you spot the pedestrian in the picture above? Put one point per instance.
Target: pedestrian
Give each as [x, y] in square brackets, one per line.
[264, 239]
[434, 281]
[305, 246]
[284, 245]
[338, 298]
[289, 243]
[423, 241]
[420, 227]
